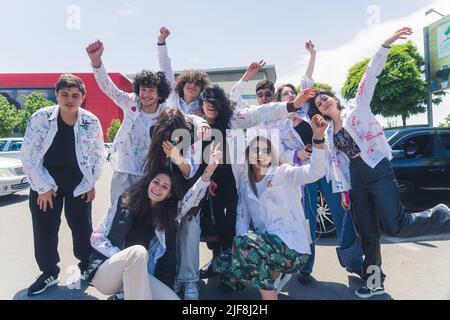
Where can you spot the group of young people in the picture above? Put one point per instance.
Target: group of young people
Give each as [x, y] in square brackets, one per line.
[177, 176]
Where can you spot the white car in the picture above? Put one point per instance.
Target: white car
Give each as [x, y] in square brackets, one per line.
[10, 147]
[12, 178]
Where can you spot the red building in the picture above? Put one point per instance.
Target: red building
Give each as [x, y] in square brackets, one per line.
[14, 85]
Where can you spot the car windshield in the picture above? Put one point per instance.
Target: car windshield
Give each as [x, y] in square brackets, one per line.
[389, 133]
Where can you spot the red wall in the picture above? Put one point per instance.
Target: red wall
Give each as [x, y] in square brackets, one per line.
[96, 101]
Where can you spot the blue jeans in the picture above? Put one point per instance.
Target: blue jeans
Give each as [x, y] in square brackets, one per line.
[337, 212]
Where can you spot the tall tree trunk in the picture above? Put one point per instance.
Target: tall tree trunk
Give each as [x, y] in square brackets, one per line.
[404, 120]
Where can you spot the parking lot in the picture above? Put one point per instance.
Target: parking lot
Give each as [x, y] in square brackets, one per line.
[416, 268]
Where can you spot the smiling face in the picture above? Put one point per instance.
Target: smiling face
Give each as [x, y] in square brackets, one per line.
[327, 106]
[149, 96]
[70, 99]
[192, 90]
[159, 188]
[210, 111]
[264, 96]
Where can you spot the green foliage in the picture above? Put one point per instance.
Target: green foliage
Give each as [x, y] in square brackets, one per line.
[323, 87]
[33, 102]
[112, 130]
[446, 123]
[401, 89]
[9, 118]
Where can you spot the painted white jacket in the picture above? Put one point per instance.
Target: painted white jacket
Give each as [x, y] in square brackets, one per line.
[157, 247]
[174, 100]
[363, 127]
[290, 140]
[132, 141]
[278, 210]
[89, 147]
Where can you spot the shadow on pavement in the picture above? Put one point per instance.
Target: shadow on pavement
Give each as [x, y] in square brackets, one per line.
[58, 292]
[316, 290]
[12, 199]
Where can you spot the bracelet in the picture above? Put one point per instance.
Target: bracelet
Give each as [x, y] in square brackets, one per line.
[316, 141]
[162, 44]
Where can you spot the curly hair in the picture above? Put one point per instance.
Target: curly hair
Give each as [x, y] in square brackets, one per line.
[162, 216]
[218, 98]
[192, 76]
[313, 110]
[150, 79]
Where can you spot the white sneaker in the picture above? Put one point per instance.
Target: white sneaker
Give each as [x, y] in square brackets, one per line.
[281, 281]
[190, 291]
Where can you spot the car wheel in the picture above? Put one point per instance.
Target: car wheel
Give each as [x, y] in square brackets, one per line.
[324, 223]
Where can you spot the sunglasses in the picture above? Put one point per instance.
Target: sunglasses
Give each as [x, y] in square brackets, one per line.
[264, 94]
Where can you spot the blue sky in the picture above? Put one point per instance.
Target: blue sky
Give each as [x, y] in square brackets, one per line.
[206, 34]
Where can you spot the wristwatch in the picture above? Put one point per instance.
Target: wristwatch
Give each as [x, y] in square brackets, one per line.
[315, 141]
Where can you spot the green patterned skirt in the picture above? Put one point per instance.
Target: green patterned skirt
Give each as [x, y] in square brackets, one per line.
[252, 258]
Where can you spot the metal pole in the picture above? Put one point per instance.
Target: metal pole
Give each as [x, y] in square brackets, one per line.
[426, 35]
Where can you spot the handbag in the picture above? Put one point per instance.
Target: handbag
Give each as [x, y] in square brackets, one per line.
[353, 252]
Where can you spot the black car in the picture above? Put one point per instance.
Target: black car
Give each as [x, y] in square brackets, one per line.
[422, 166]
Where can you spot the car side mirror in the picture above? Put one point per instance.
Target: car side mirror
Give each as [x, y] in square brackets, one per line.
[398, 154]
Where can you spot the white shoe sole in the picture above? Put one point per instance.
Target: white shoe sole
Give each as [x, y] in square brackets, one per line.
[367, 296]
[50, 284]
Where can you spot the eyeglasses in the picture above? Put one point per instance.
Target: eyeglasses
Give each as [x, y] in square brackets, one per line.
[264, 94]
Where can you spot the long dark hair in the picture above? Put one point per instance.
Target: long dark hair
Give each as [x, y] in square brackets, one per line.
[162, 216]
[169, 120]
[313, 110]
[218, 98]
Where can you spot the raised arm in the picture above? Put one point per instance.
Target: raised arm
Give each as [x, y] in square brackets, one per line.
[316, 169]
[239, 88]
[126, 101]
[369, 80]
[312, 59]
[165, 65]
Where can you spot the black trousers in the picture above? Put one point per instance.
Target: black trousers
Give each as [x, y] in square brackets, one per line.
[46, 227]
[224, 206]
[376, 202]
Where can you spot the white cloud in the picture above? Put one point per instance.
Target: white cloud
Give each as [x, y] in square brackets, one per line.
[332, 65]
[194, 60]
[130, 11]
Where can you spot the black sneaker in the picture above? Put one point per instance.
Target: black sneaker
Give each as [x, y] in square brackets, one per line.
[43, 282]
[207, 271]
[365, 292]
[304, 278]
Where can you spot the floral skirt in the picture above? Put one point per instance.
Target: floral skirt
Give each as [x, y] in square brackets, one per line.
[252, 258]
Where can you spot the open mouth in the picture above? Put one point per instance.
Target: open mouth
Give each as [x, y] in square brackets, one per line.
[155, 193]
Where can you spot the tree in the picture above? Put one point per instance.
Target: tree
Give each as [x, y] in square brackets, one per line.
[323, 87]
[319, 86]
[446, 123]
[112, 130]
[9, 118]
[33, 102]
[401, 89]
